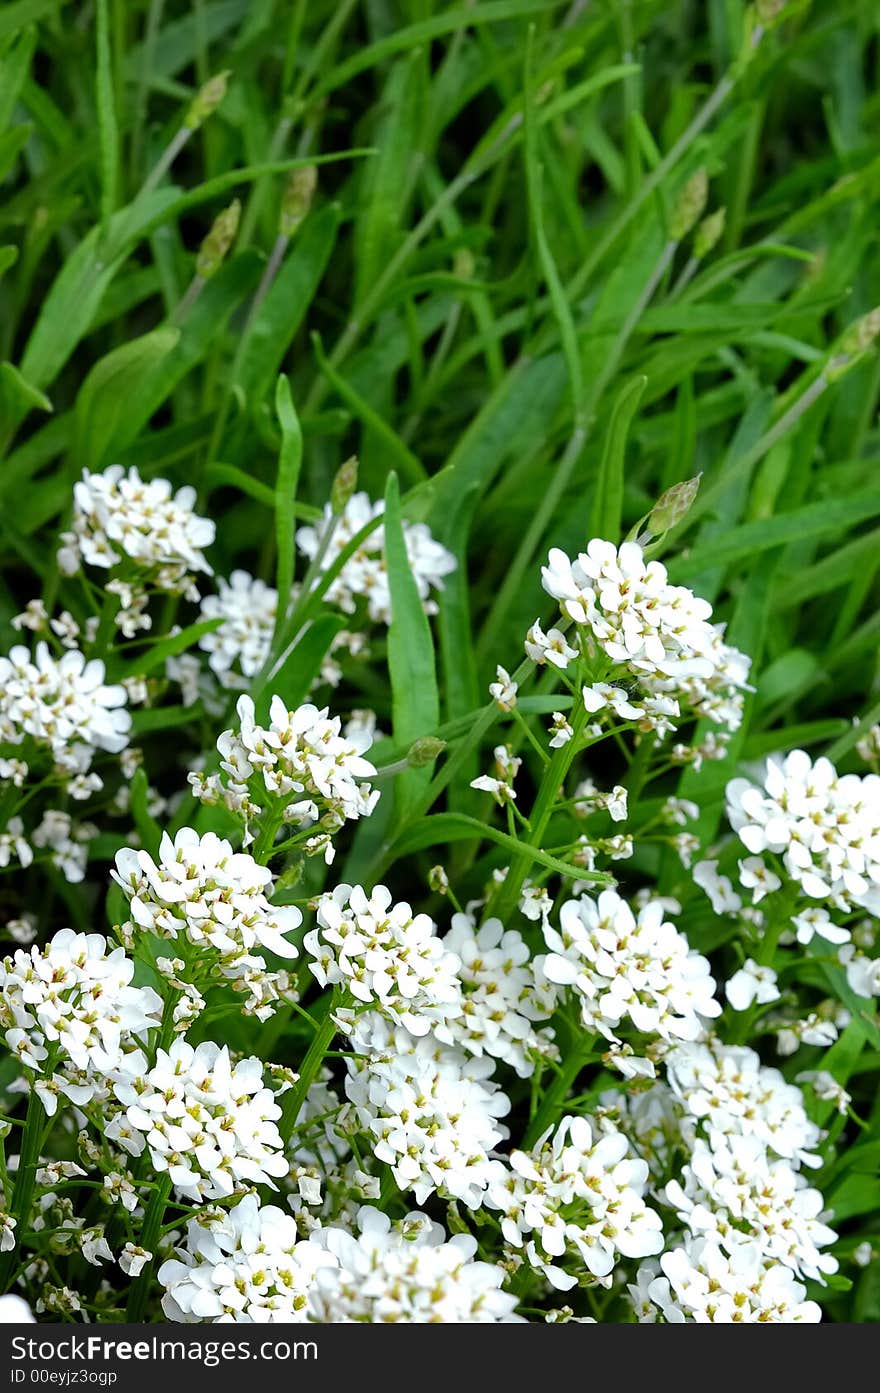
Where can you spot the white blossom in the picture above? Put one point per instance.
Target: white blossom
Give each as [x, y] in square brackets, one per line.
[247, 607]
[752, 984]
[63, 704]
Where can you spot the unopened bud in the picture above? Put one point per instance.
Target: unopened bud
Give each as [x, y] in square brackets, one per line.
[212, 252]
[709, 233]
[438, 880]
[296, 199]
[424, 751]
[464, 264]
[853, 345]
[343, 485]
[689, 208]
[769, 12]
[673, 505]
[206, 100]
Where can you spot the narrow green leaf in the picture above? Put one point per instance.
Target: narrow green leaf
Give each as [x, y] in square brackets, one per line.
[108, 135]
[17, 396]
[23, 12]
[415, 703]
[169, 647]
[607, 516]
[455, 827]
[103, 399]
[289, 462]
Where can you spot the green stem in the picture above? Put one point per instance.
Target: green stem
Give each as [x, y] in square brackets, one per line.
[23, 1194]
[150, 1234]
[321, 1040]
[553, 1101]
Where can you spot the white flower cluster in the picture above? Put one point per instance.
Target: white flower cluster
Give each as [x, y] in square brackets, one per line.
[209, 1124]
[575, 1197]
[630, 968]
[120, 517]
[211, 897]
[702, 1282]
[364, 575]
[407, 1272]
[432, 1111]
[63, 704]
[70, 1014]
[657, 632]
[384, 956]
[250, 1265]
[503, 995]
[301, 759]
[247, 608]
[824, 826]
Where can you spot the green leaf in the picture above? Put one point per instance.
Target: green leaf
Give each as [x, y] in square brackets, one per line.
[606, 519]
[102, 404]
[168, 647]
[21, 13]
[284, 310]
[148, 828]
[108, 135]
[415, 703]
[294, 679]
[289, 462]
[385, 179]
[17, 396]
[453, 827]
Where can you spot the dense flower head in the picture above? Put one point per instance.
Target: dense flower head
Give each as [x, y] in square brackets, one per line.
[213, 898]
[729, 1090]
[432, 1111]
[120, 517]
[658, 632]
[301, 758]
[384, 956]
[247, 607]
[61, 703]
[364, 577]
[247, 1265]
[734, 1192]
[702, 1282]
[70, 1013]
[209, 1123]
[629, 968]
[577, 1197]
[406, 1271]
[502, 996]
[825, 827]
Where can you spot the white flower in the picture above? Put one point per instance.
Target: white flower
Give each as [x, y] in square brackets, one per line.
[826, 1087]
[94, 1246]
[825, 827]
[560, 731]
[208, 1123]
[406, 1272]
[680, 811]
[14, 1310]
[247, 1265]
[247, 607]
[118, 515]
[754, 875]
[862, 972]
[659, 633]
[701, 1282]
[303, 758]
[502, 995]
[752, 983]
[213, 898]
[812, 1029]
[74, 996]
[385, 956]
[729, 1090]
[364, 575]
[627, 968]
[719, 888]
[63, 704]
[133, 1259]
[503, 690]
[575, 1197]
[815, 919]
[67, 841]
[863, 1255]
[431, 1110]
[501, 787]
[549, 648]
[734, 1192]
[600, 695]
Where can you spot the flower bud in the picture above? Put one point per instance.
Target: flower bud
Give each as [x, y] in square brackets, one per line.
[854, 344]
[206, 101]
[438, 880]
[424, 751]
[296, 199]
[213, 250]
[343, 485]
[673, 505]
[709, 233]
[690, 204]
